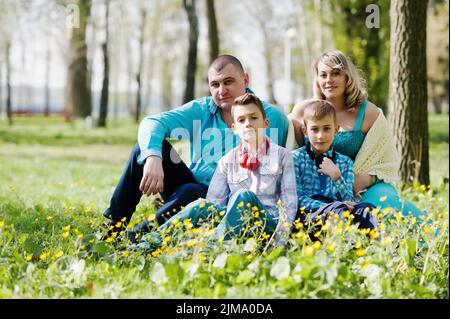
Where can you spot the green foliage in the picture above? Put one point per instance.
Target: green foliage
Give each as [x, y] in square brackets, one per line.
[51, 220]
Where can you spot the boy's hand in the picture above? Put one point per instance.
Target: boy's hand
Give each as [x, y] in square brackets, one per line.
[350, 205]
[329, 168]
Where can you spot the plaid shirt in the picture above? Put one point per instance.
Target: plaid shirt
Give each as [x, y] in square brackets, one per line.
[314, 188]
[274, 180]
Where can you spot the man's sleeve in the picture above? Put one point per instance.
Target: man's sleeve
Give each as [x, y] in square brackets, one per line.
[278, 121]
[154, 129]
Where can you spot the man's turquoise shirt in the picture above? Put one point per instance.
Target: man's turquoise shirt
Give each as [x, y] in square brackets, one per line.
[210, 138]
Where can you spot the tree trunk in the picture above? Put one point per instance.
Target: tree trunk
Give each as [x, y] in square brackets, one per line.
[8, 84]
[189, 92]
[78, 84]
[47, 79]
[139, 71]
[105, 88]
[213, 33]
[408, 88]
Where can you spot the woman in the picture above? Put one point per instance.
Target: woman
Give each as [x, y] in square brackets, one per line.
[364, 134]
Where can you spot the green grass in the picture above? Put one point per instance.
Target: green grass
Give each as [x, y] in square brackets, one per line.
[58, 179]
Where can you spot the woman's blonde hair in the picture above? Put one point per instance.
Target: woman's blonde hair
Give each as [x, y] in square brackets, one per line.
[355, 90]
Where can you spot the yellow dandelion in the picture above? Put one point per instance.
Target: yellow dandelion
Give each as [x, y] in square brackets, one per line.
[317, 245]
[365, 264]
[257, 223]
[191, 243]
[125, 253]
[65, 234]
[109, 239]
[387, 240]
[222, 213]
[358, 245]
[44, 255]
[220, 240]
[309, 251]
[383, 198]
[202, 204]
[49, 217]
[167, 239]
[255, 208]
[256, 214]
[249, 257]
[201, 257]
[331, 247]
[248, 205]
[59, 254]
[123, 219]
[317, 234]
[216, 218]
[373, 234]
[91, 241]
[195, 231]
[29, 257]
[66, 228]
[346, 214]
[241, 204]
[360, 252]
[82, 247]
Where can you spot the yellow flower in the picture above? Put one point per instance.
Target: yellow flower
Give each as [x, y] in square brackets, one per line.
[373, 234]
[109, 239]
[317, 245]
[59, 254]
[387, 240]
[346, 214]
[65, 234]
[202, 204]
[358, 245]
[167, 239]
[191, 242]
[123, 219]
[331, 247]
[360, 252]
[248, 205]
[309, 251]
[383, 198]
[195, 231]
[66, 228]
[44, 255]
[317, 234]
[29, 257]
[91, 241]
[255, 208]
[241, 204]
[201, 257]
[220, 239]
[365, 264]
[49, 217]
[256, 214]
[125, 253]
[222, 213]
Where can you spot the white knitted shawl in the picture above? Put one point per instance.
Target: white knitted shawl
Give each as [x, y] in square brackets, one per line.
[378, 155]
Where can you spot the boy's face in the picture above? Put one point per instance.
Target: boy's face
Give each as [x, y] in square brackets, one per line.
[320, 132]
[248, 122]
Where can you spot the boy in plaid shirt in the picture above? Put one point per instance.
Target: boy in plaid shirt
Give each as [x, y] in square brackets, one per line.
[258, 173]
[325, 177]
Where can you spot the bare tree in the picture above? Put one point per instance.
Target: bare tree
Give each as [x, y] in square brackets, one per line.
[189, 92]
[138, 112]
[408, 88]
[8, 83]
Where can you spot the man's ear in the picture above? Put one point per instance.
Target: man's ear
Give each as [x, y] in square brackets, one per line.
[246, 79]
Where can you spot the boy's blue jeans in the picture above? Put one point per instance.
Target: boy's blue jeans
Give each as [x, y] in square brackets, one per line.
[230, 223]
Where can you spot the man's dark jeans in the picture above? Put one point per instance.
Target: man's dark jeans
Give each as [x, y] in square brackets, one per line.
[180, 188]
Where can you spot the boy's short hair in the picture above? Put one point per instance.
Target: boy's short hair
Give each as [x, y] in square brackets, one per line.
[249, 98]
[318, 109]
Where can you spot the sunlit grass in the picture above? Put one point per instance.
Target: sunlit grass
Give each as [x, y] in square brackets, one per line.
[52, 196]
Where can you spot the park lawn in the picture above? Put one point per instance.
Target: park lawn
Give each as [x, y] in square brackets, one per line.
[57, 180]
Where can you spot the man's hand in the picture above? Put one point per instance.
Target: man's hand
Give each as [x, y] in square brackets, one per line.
[329, 168]
[153, 177]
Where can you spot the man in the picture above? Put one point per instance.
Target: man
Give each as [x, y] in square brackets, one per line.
[154, 166]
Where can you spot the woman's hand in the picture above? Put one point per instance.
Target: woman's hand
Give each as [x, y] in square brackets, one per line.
[362, 181]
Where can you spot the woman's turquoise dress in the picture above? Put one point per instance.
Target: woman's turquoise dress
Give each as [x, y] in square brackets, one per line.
[379, 194]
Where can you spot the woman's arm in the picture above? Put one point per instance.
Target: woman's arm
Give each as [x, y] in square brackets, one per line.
[363, 181]
[297, 120]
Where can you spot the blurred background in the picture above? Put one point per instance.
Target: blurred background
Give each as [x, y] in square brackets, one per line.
[147, 56]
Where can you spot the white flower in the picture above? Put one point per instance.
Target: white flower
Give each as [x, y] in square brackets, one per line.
[281, 268]
[220, 261]
[158, 275]
[250, 245]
